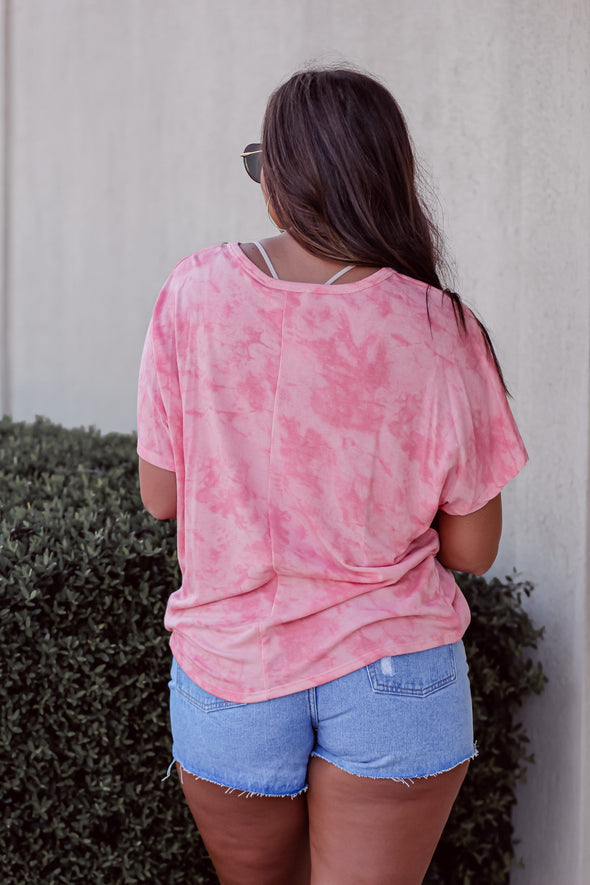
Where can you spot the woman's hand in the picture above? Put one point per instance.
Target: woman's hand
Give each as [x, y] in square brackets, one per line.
[470, 543]
[158, 490]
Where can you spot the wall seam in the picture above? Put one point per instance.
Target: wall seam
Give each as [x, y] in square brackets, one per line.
[5, 343]
[584, 847]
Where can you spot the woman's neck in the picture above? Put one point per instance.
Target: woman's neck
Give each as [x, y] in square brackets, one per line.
[293, 262]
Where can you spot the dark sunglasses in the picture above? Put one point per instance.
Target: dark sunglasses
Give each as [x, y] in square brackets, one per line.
[252, 155]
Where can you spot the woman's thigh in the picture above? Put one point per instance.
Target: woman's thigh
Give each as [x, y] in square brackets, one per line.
[252, 840]
[375, 831]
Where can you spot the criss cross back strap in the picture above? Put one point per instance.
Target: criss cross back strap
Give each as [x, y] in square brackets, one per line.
[274, 274]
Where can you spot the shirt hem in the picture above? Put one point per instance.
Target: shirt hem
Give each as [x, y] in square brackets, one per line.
[303, 683]
[155, 459]
[491, 492]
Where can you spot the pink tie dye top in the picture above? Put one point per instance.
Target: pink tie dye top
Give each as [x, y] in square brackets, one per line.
[314, 431]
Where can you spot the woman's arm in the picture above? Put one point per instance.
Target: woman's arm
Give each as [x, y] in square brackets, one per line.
[158, 490]
[470, 543]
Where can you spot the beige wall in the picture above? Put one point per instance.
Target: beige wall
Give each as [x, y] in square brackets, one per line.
[4, 210]
[122, 124]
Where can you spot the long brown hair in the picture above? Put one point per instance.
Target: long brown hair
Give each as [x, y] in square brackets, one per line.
[340, 173]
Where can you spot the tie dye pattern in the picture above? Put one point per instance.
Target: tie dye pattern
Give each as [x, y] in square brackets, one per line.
[314, 431]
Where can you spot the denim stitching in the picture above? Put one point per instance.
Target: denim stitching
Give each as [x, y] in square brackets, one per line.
[380, 686]
[218, 704]
[312, 700]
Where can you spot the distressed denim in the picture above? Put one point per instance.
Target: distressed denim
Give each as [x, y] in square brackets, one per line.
[401, 717]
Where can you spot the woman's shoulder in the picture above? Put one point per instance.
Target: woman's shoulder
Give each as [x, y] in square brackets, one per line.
[201, 260]
[213, 263]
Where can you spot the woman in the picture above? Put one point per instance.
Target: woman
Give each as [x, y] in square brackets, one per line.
[329, 426]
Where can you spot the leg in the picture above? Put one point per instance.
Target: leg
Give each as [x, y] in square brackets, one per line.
[254, 840]
[378, 832]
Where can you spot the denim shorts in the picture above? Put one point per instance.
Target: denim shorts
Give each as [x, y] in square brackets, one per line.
[402, 717]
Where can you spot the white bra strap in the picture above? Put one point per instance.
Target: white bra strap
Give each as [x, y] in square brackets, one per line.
[269, 263]
[270, 266]
[339, 274]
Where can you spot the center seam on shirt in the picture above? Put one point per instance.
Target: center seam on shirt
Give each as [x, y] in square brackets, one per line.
[272, 437]
[268, 485]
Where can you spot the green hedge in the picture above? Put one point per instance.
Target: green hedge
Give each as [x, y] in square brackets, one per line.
[84, 578]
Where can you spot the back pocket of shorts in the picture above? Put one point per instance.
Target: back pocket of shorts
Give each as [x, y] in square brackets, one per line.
[194, 694]
[414, 675]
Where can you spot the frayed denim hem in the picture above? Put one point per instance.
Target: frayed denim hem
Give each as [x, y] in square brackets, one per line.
[407, 781]
[248, 794]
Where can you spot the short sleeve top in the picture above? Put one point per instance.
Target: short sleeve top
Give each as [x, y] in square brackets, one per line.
[314, 431]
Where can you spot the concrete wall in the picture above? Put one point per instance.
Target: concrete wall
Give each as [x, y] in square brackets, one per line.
[121, 125]
[4, 211]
